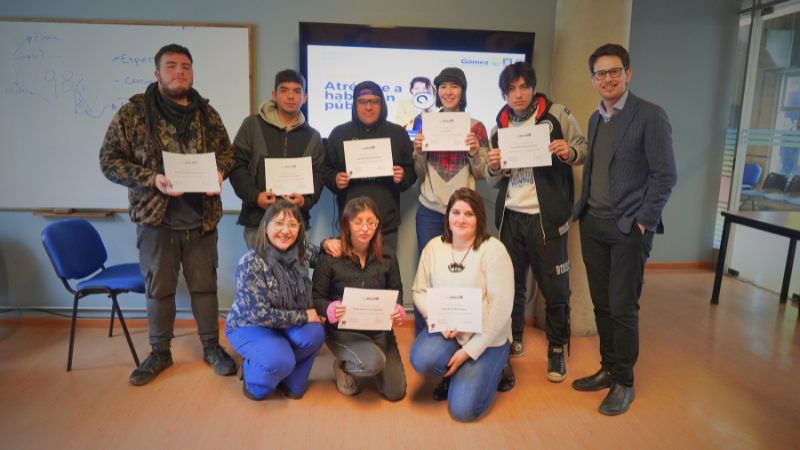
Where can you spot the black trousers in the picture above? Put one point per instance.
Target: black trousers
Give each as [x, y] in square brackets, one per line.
[523, 236]
[615, 270]
[162, 252]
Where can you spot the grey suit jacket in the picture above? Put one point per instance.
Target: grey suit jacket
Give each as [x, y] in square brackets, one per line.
[641, 170]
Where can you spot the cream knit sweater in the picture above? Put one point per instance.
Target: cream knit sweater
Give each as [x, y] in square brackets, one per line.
[488, 269]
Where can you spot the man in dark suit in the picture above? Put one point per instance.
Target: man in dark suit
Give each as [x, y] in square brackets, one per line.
[627, 179]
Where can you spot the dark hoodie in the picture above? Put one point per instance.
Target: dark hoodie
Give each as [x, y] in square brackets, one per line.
[263, 136]
[554, 184]
[382, 190]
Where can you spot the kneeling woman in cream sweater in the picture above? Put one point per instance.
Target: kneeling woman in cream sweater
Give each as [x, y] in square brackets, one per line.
[466, 256]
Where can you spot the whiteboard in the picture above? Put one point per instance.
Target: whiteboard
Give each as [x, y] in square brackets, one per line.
[62, 82]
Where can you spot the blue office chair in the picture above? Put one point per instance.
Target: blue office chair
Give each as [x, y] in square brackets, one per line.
[76, 251]
[751, 176]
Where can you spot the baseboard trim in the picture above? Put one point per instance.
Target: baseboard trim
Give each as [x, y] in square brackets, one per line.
[679, 265]
[50, 322]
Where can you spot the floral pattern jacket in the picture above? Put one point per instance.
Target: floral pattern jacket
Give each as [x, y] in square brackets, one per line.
[255, 286]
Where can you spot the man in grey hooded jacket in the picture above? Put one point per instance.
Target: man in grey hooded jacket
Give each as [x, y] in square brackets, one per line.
[279, 130]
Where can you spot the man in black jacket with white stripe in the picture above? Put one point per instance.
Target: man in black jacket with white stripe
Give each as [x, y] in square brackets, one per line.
[628, 178]
[533, 209]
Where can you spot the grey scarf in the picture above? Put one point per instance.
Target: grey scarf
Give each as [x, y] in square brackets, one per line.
[293, 282]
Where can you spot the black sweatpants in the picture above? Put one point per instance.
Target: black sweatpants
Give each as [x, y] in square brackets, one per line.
[523, 236]
[615, 270]
[162, 252]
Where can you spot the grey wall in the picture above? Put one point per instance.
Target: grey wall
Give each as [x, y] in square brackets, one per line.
[26, 277]
[682, 54]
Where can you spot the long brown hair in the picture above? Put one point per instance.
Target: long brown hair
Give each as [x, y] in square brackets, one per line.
[353, 208]
[475, 201]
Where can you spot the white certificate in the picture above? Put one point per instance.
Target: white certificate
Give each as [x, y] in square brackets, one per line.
[191, 173]
[287, 176]
[524, 146]
[369, 158]
[367, 309]
[455, 309]
[445, 131]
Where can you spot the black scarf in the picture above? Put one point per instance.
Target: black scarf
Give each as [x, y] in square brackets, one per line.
[294, 295]
[180, 116]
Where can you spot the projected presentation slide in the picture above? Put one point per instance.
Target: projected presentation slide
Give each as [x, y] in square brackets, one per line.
[334, 71]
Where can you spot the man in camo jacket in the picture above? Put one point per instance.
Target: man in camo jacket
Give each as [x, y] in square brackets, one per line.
[173, 229]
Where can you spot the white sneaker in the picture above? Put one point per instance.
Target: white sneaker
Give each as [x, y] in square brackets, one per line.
[345, 383]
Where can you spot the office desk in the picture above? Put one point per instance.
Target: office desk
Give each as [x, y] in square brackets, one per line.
[776, 222]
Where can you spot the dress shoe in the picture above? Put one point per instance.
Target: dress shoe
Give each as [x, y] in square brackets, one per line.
[440, 392]
[507, 378]
[618, 400]
[596, 382]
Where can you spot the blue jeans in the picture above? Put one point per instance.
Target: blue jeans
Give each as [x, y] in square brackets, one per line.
[429, 225]
[275, 355]
[473, 385]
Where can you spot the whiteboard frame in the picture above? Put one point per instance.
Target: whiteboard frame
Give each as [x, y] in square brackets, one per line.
[249, 27]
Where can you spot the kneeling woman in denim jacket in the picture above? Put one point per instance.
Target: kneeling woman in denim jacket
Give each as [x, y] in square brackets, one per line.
[272, 322]
[362, 262]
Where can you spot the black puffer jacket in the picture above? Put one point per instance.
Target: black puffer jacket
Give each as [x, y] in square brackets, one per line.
[332, 275]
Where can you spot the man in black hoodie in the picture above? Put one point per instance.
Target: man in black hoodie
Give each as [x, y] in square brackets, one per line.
[279, 130]
[369, 122]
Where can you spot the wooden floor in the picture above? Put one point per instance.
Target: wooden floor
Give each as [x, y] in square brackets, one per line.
[708, 377]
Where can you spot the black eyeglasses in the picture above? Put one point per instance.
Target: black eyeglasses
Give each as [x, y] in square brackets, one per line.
[615, 73]
[372, 101]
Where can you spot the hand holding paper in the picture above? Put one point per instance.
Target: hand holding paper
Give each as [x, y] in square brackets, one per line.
[287, 176]
[368, 158]
[367, 309]
[452, 309]
[525, 146]
[445, 131]
[192, 172]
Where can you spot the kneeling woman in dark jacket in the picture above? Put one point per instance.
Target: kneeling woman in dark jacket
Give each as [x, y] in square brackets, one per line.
[272, 322]
[364, 263]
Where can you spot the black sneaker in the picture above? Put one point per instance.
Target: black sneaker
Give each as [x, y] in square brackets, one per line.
[556, 368]
[157, 361]
[507, 378]
[440, 393]
[216, 357]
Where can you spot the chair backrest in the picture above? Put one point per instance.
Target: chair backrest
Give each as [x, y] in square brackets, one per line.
[775, 181]
[74, 247]
[751, 175]
[794, 185]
